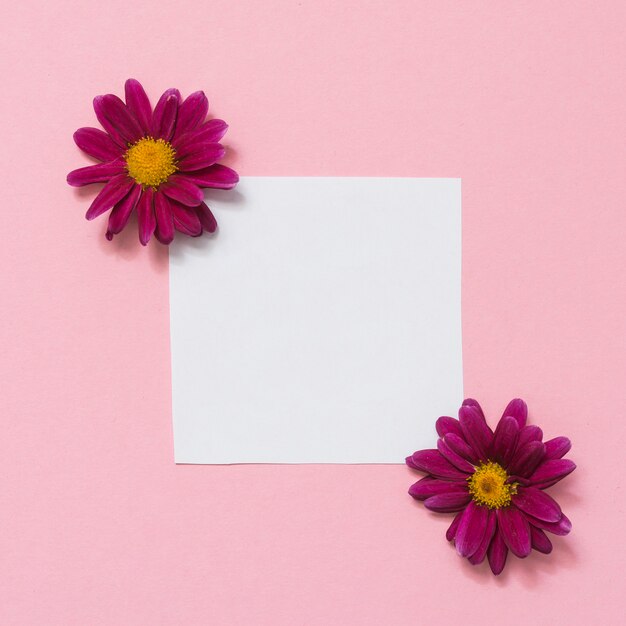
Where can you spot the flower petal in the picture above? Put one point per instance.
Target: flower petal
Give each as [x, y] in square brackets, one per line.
[458, 461]
[409, 462]
[145, 216]
[451, 532]
[100, 173]
[445, 425]
[207, 219]
[210, 132]
[109, 195]
[537, 503]
[475, 404]
[138, 104]
[471, 530]
[186, 219]
[505, 439]
[215, 176]
[164, 116]
[476, 431]
[527, 459]
[448, 502]
[165, 222]
[121, 212]
[497, 553]
[539, 540]
[461, 447]
[192, 112]
[431, 462]
[557, 448]
[481, 553]
[518, 409]
[561, 528]
[116, 119]
[200, 156]
[528, 434]
[428, 486]
[182, 190]
[97, 143]
[515, 530]
[550, 472]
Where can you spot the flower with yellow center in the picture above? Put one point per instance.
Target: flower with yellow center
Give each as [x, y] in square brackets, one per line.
[150, 161]
[488, 486]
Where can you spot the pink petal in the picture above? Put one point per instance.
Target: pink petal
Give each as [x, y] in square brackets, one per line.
[109, 195]
[447, 502]
[116, 119]
[505, 439]
[537, 503]
[476, 431]
[557, 448]
[517, 408]
[451, 532]
[431, 462]
[207, 219]
[182, 190]
[200, 156]
[165, 222]
[539, 540]
[497, 553]
[100, 173]
[145, 216]
[481, 553]
[192, 112]
[527, 459]
[215, 176]
[186, 220]
[138, 104]
[458, 461]
[471, 529]
[97, 143]
[515, 530]
[562, 527]
[550, 472]
[121, 212]
[164, 116]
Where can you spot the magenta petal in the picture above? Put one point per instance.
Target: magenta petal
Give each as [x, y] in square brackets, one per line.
[165, 222]
[539, 540]
[164, 116]
[497, 553]
[116, 119]
[445, 425]
[97, 143]
[527, 459]
[431, 462]
[109, 195]
[471, 530]
[557, 448]
[192, 112]
[515, 530]
[447, 502]
[215, 176]
[409, 461]
[200, 156]
[505, 439]
[476, 431]
[550, 472]
[207, 219]
[186, 219]
[537, 503]
[428, 486]
[100, 173]
[562, 527]
[458, 461]
[182, 190]
[461, 447]
[528, 434]
[138, 104]
[517, 408]
[481, 552]
[475, 404]
[451, 532]
[121, 212]
[145, 216]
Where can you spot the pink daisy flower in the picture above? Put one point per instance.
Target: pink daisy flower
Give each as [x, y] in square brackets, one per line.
[156, 162]
[494, 482]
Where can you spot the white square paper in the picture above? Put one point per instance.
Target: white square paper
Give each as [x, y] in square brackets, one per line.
[321, 325]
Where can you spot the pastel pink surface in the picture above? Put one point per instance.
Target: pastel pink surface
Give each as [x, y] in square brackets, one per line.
[524, 101]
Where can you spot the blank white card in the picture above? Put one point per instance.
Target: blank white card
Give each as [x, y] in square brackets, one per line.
[322, 324]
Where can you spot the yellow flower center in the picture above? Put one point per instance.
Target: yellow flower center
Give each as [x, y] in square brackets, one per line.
[151, 161]
[488, 486]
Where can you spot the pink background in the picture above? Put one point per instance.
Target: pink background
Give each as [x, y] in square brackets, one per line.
[524, 101]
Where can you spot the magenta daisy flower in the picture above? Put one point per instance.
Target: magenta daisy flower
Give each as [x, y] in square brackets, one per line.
[494, 482]
[156, 162]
